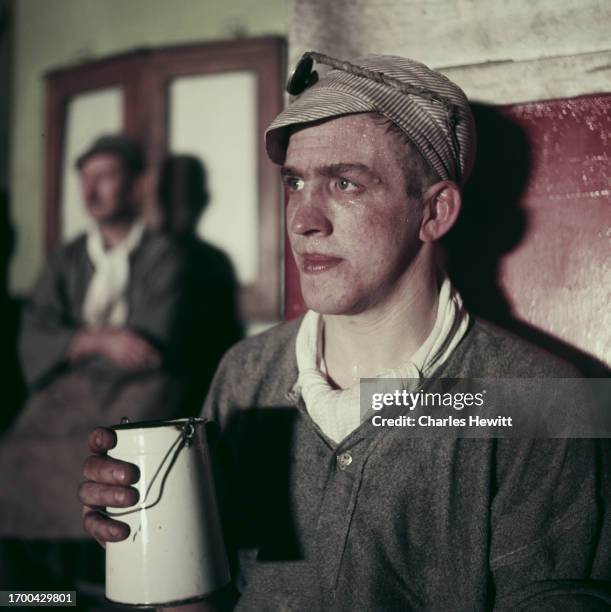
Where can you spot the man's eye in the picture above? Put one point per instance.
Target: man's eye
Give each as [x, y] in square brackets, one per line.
[293, 183]
[344, 184]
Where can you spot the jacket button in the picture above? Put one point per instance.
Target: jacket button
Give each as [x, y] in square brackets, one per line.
[344, 460]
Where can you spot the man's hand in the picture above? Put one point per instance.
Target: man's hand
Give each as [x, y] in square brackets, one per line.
[107, 484]
[129, 350]
[122, 346]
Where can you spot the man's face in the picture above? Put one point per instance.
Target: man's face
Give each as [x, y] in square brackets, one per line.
[105, 187]
[352, 228]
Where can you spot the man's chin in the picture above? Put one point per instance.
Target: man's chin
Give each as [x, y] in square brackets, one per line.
[96, 213]
[327, 305]
[101, 217]
[330, 294]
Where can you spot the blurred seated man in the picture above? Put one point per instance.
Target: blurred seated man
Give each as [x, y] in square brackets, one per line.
[97, 344]
[211, 321]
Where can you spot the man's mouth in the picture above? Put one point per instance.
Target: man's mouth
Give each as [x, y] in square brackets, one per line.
[315, 263]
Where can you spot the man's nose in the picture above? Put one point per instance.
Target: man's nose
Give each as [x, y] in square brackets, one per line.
[307, 215]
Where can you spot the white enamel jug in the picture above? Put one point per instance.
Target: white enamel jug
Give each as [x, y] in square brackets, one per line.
[175, 551]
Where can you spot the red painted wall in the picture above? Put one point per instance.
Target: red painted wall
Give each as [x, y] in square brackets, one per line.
[558, 278]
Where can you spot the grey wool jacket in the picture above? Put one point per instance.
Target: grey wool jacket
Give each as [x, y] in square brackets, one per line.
[408, 524]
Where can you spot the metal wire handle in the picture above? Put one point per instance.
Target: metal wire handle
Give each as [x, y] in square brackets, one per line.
[184, 439]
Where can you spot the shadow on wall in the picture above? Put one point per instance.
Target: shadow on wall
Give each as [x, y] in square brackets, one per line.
[211, 322]
[13, 386]
[492, 224]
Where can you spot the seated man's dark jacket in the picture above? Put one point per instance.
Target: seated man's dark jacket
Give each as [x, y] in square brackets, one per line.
[409, 524]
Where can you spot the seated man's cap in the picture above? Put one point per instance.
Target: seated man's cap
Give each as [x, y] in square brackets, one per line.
[432, 111]
[120, 145]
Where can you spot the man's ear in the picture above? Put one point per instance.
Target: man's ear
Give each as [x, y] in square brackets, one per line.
[441, 206]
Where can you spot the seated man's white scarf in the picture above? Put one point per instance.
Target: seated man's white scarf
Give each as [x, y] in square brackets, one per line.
[337, 411]
[106, 298]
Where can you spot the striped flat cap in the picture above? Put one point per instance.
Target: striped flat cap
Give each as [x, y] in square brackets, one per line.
[430, 109]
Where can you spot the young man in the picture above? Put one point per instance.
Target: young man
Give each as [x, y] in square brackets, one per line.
[323, 510]
[95, 345]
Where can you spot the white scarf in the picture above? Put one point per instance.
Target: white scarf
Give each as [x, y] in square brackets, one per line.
[337, 411]
[106, 300]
